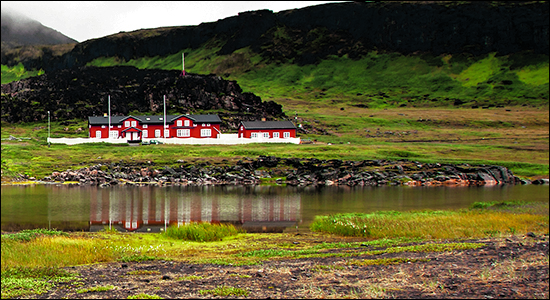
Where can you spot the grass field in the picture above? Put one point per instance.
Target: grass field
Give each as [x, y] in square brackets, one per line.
[515, 137]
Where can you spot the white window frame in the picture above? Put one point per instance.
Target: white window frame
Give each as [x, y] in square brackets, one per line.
[98, 134]
[178, 123]
[102, 126]
[276, 135]
[206, 132]
[184, 133]
[113, 134]
[126, 123]
[145, 125]
[144, 134]
[186, 123]
[265, 135]
[134, 123]
[166, 133]
[254, 135]
[286, 134]
[157, 133]
[119, 126]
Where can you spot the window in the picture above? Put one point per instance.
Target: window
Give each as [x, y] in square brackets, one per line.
[113, 134]
[145, 133]
[127, 124]
[184, 133]
[157, 133]
[208, 125]
[275, 135]
[145, 126]
[265, 135]
[119, 126]
[167, 133]
[254, 135]
[186, 123]
[98, 134]
[134, 123]
[102, 126]
[286, 135]
[206, 132]
[178, 123]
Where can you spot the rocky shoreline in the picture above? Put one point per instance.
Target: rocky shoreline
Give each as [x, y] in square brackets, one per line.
[289, 171]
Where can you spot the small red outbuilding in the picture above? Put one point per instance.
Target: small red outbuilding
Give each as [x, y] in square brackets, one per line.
[267, 129]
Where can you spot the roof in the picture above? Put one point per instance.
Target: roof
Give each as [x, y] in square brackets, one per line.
[153, 119]
[268, 125]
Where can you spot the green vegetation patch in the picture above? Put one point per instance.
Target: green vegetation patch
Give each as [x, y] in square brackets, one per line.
[144, 296]
[430, 224]
[17, 72]
[102, 288]
[225, 291]
[20, 282]
[201, 232]
[30, 234]
[386, 261]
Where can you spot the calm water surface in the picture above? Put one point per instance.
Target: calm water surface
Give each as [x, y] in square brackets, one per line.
[256, 208]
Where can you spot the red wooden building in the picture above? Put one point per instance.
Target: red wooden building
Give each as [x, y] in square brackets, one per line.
[267, 129]
[139, 127]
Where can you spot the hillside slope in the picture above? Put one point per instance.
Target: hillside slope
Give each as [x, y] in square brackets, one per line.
[371, 55]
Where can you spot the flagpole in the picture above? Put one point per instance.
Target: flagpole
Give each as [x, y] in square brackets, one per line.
[164, 129]
[109, 129]
[183, 64]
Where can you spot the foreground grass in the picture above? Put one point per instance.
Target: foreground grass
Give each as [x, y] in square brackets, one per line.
[32, 261]
[472, 223]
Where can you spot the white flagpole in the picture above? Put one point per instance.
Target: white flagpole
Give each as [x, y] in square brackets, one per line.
[109, 130]
[164, 129]
[183, 64]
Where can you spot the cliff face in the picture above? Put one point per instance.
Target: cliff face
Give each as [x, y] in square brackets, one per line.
[311, 33]
[83, 92]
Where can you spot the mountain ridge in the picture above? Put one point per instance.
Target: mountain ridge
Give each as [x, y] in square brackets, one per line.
[312, 33]
[19, 30]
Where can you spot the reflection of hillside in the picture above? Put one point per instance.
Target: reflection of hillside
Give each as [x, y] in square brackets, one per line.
[152, 209]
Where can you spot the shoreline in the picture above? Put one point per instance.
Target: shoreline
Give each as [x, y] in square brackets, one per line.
[284, 171]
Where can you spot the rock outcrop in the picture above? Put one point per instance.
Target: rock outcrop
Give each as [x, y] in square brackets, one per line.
[291, 171]
[83, 92]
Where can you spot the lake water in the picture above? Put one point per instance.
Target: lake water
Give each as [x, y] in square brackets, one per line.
[255, 208]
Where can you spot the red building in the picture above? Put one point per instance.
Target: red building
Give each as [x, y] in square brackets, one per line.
[139, 127]
[267, 129]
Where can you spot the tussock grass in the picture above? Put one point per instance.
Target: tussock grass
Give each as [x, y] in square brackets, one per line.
[472, 223]
[201, 232]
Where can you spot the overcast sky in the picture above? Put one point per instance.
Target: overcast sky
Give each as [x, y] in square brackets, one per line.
[84, 20]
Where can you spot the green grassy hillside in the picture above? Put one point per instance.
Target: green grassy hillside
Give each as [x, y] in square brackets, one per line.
[377, 80]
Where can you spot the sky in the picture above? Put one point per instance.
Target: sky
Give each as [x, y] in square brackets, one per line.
[84, 20]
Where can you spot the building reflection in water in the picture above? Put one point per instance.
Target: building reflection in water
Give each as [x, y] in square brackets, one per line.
[153, 209]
